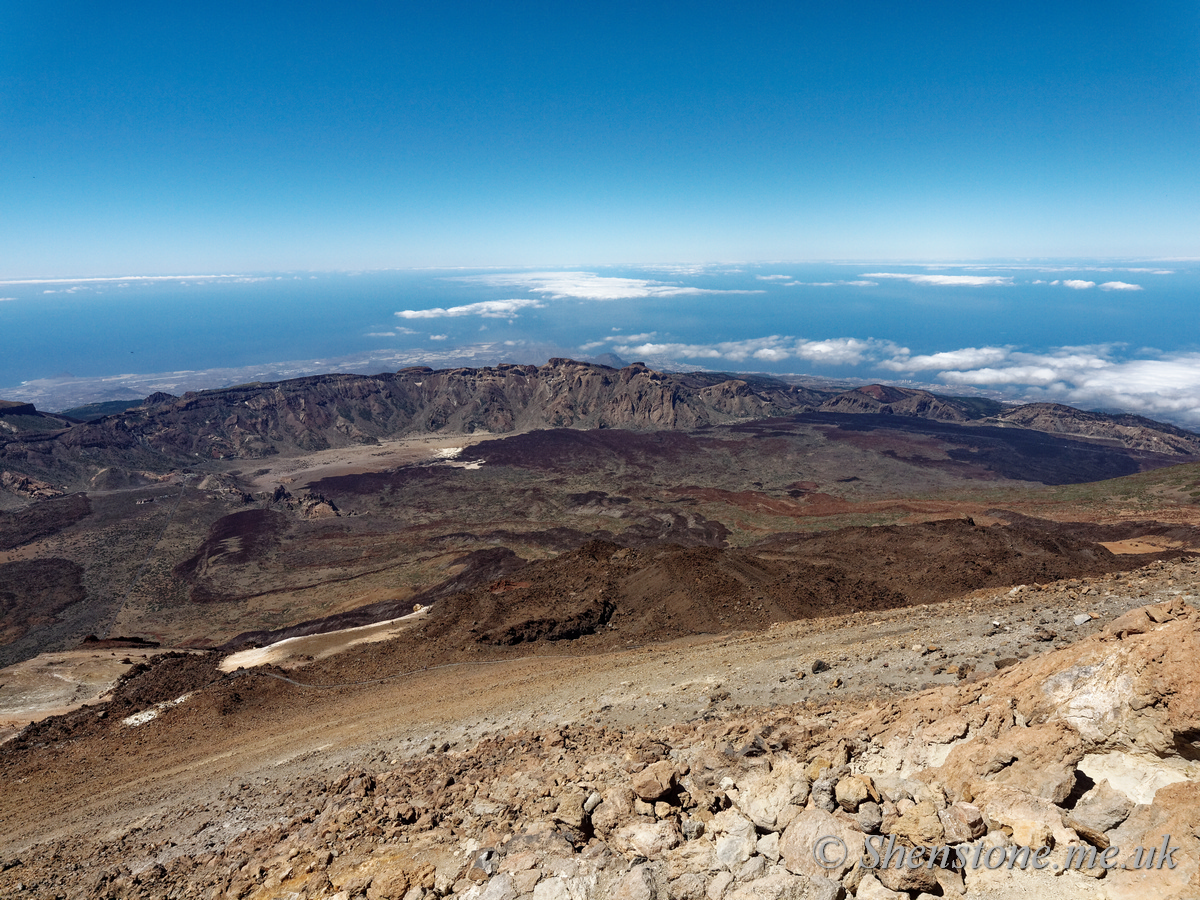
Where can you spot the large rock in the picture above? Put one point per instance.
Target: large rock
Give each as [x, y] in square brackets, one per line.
[851, 791]
[920, 824]
[1102, 808]
[655, 781]
[764, 796]
[782, 886]
[736, 838]
[1174, 813]
[647, 839]
[800, 841]
[962, 822]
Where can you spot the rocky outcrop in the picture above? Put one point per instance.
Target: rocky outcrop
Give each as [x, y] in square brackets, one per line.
[30, 488]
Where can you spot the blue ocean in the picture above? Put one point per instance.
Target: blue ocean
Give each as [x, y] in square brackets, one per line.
[108, 327]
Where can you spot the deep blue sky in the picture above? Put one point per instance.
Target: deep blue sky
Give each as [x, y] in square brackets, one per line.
[220, 137]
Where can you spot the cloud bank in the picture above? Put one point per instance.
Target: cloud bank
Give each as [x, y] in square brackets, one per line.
[945, 280]
[774, 348]
[489, 309]
[590, 286]
[1092, 376]
[1165, 386]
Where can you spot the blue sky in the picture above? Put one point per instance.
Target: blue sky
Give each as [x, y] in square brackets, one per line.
[220, 137]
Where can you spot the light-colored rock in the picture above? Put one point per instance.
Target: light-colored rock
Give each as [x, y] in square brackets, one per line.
[737, 840]
[920, 824]
[1102, 808]
[648, 839]
[719, 885]
[851, 791]
[764, 795]
[754, 867]
[551, 889]
[501, 887]
[1139, 777]
[638, 884]
[1175, 812]
[800, 840]
[870, 888]
[785, 886]
[768, 846]
[689, 886]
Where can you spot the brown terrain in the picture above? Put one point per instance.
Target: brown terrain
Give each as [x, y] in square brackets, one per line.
[577, 632]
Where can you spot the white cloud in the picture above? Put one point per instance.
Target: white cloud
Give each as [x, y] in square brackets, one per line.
[773, 277]
[1077, 285]
[6, 299]
[1091, 376]
[126, 278]
[774, 348]
[438, 337]
[395, 332]
[491, 309]
[591, 345]
[1119, 286]
[590, 286]
[967, 358]
[833, 283]
[945, 280]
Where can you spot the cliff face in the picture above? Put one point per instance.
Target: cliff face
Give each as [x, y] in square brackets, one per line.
[325, 411]
[1134, 432]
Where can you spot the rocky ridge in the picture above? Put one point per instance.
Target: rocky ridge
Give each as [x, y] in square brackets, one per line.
[320, 412]
[1089, 747]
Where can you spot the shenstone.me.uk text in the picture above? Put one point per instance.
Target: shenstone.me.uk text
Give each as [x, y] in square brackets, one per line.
[831, 852]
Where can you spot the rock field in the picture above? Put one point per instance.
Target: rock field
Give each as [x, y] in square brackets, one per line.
[1036, 726]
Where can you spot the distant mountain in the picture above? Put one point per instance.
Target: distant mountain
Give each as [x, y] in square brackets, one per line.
[320, 412]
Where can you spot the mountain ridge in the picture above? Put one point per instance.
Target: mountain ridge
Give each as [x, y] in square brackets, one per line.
[326, 411]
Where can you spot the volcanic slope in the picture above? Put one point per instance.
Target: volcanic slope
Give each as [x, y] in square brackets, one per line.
[706, 769]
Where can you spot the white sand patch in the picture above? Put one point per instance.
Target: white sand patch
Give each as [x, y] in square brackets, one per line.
[318, 646]
[149, 715]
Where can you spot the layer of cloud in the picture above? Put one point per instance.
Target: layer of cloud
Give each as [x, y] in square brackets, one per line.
[1092, 376]
[945, 280]
[489, 309]
[771, 349]
[1119, 286]
[395, 332]
[590, 286]
[1077, 285]
[833, 284]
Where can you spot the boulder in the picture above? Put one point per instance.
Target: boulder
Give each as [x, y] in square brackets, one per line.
[800, 840]
[1102, 808]
[647, 839]
[962, 822]
[782, 886]
[655, 781]
[851, 791]
[920, 825]
[763, 796]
